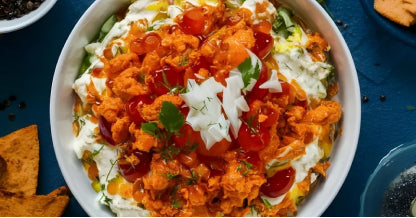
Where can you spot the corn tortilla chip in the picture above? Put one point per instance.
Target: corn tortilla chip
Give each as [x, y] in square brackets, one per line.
[51, 205]
[395, 11]
[410, 6]
[20, 150]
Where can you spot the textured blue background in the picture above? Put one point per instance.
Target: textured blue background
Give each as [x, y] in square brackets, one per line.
[385, 67]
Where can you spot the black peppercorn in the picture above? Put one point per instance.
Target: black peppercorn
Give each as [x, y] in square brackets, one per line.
[365, 99]
[22, 105]
[338, 22]
[10, 9]
[382, 98]
[12, 116]
[7, 102]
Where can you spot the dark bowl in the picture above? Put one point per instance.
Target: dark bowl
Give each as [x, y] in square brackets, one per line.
[405, 34]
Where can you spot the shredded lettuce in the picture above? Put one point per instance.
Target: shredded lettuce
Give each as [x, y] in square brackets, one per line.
[283, 23]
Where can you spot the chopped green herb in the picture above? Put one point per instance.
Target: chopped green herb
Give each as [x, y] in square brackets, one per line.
[111, 168]
[248, 166]
[252, 210]
[188, 148]
[238, 168]
[184, 60]
[283, 23]
[171, 176]
[249, 71]
[79, 119]
[174, 190]
[194, 179]
[151, 128]
[107, 201]
[150, 28]
[250, 124]
[171, 117]
[410, 107]
[168, 153]
[175, 203]
[267, 203]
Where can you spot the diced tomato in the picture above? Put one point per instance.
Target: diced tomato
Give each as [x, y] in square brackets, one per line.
[252, 138]
[131, 171]
[263, 26]
[256, 92]
[105, 130]
[134, 104]
[166, 78]
[263, 44]
[193, 21]
[186, 136]
[253, 158]
[215, 164]
[279, 183]
[216, 149]
[142, 45]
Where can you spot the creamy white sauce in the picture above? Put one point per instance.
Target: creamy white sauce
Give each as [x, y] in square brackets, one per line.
[298, 65]
[302, 165]
[210, 121]
[86, 137]
[127, 207]
[80, 86]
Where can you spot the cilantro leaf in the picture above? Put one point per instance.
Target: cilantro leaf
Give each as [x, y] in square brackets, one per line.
[171, 117]
[150, 128]
[249, 71]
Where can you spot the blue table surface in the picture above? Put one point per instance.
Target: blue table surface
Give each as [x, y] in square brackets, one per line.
[385, 67]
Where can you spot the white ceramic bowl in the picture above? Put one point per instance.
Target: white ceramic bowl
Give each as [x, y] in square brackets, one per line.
[27, 19]
[62, 99]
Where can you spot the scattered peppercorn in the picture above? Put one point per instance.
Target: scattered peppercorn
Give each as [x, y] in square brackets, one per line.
[345, 26]
[365, 99]
[10, 9]
[2, 106]
[382, 98]
[12, 116]
[22, 105]
[338, 22]
[7, 102]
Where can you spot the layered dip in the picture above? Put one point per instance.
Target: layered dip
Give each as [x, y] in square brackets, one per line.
[205, 108]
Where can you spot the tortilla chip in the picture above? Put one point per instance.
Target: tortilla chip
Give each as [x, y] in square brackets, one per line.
[395, 11]
[51, 205]
[410, 6]
[20, 150]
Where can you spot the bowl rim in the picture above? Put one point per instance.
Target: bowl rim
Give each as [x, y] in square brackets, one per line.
[341, 176]
[7, 26]
[355, 108]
